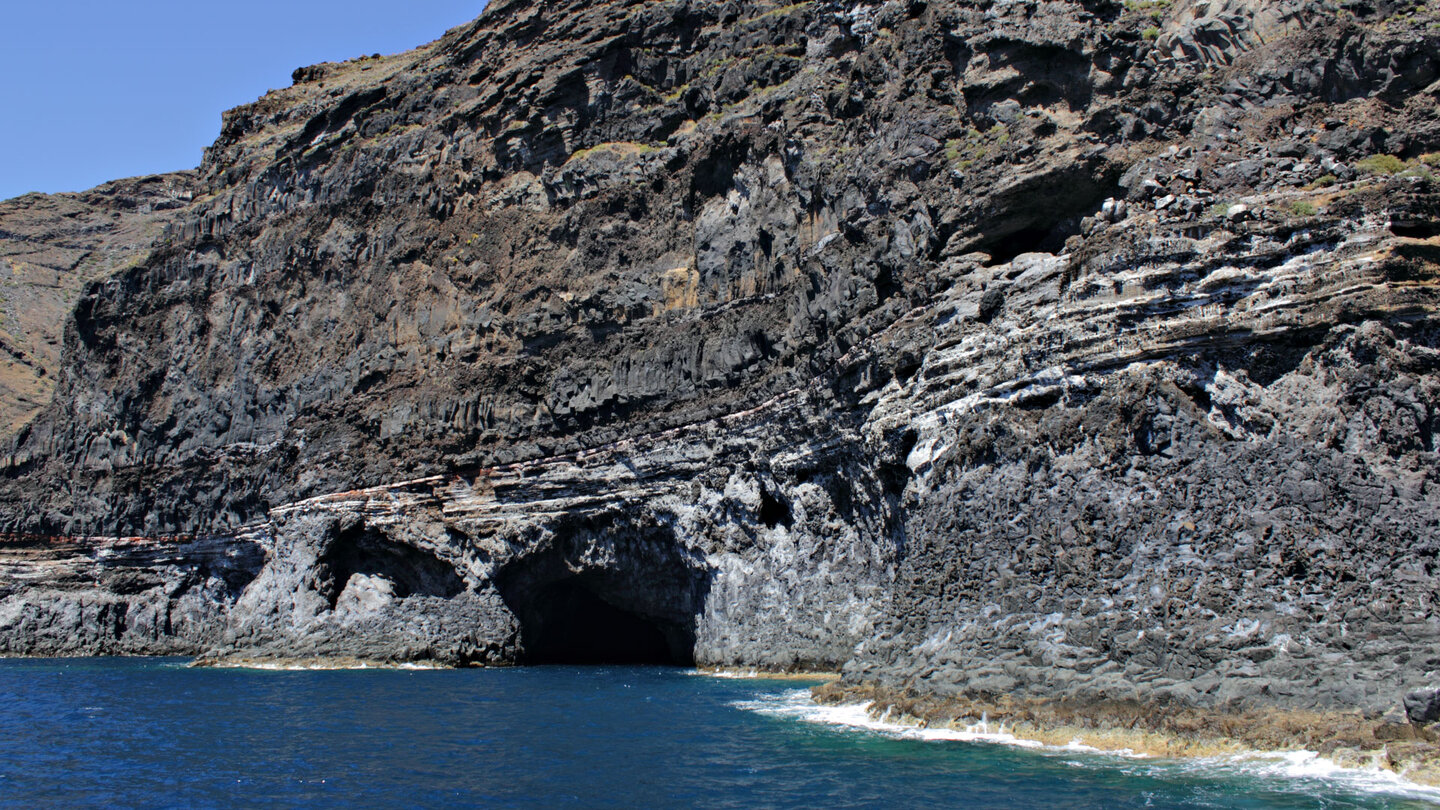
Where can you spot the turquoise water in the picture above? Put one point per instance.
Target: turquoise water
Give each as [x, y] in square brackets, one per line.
[107, 733]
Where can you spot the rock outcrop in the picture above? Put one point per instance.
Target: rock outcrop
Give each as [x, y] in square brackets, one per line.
[50, 246]
[1075, 350]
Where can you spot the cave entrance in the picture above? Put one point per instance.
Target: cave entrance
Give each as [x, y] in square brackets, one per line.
[409, 571]
[567, 622]
[606, 589]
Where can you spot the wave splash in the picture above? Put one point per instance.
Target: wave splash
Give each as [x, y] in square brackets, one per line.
[796, 704]
[1303, 770]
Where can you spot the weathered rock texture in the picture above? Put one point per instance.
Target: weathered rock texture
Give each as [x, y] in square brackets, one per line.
[1032, 348]
[50, 246]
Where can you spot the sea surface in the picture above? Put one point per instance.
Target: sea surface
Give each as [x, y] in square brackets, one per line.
[116, 733]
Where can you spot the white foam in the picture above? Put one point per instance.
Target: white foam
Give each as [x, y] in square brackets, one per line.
[322, 666]
[796, 704]
[1302, 772]
[759, 675]
[1079, 747]
[1284, 766]
[1310, 766]
[729, 674]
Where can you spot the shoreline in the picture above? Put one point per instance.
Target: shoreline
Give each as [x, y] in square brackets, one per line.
[325, 663]
[352, 663]
[828, 677]
[1346, 739]
[319, 664]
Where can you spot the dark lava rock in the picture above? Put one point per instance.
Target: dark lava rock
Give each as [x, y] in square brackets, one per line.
[1423, 706]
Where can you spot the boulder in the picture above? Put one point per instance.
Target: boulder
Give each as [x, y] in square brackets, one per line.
[1422, 706]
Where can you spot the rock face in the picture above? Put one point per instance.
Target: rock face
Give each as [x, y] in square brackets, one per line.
[50, 246]
[1042, 348]
[1423, 706]
[131, 596]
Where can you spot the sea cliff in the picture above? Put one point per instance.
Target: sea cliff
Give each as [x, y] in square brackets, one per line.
[1063, 351]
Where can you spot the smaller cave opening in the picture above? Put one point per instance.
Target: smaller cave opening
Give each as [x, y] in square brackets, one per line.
[411, 571]
[1005, 249]
[566, 622]
[774, 509]
[990, 304]
[1200, 396]
[1415, 229]
[894, 471]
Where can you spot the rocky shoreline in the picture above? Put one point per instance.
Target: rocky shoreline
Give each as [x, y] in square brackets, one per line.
[312, 664]
[1349, 739]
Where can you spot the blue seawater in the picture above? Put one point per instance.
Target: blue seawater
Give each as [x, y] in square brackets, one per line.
[143, 734]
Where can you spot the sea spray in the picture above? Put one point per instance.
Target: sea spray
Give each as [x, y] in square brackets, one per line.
[1307, 769]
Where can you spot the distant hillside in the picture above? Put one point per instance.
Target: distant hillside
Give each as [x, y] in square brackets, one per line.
[50, 246]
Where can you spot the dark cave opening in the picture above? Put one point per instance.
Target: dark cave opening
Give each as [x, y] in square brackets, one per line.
[567, 623]
[411, 571]
[774, 510]
[1414, 228]
[606, 590]
[1037, 239]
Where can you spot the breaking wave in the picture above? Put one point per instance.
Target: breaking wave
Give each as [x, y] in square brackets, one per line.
[1303, 772]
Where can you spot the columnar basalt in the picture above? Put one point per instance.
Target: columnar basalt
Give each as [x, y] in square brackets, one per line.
[1076, 350]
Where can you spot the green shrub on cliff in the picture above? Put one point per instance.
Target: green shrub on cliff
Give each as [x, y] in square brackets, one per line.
[976, 145]
[1381, 164]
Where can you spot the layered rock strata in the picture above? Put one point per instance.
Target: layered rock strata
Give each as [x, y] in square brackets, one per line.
[1068, 350]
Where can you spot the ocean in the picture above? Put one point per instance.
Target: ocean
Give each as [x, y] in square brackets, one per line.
[159, 734]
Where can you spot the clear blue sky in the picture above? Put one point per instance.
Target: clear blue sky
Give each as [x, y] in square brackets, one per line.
[94, 90]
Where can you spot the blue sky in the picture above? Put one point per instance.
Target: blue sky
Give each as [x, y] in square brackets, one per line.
[94, 90]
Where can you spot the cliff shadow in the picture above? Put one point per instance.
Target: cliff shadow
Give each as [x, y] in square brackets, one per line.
[369, 552]
[606, 590]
